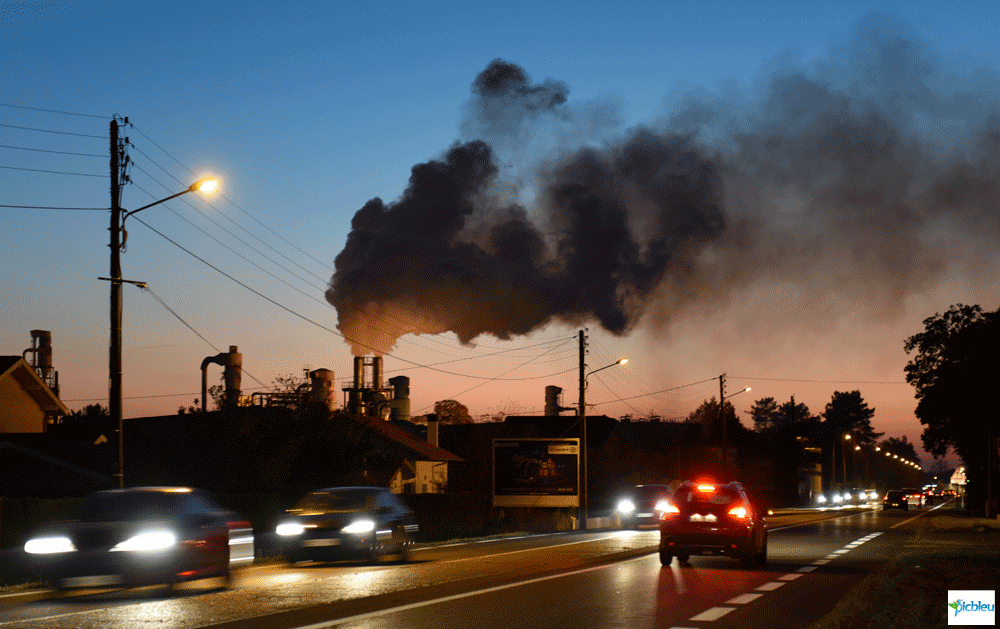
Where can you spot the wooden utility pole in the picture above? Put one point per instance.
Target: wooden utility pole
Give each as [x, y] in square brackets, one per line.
[115, 350]
[583, 433]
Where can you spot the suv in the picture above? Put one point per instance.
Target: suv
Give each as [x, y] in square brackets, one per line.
[895, 499]
[704, 518]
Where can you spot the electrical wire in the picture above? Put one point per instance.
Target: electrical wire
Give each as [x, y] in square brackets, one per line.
[82, 135]
[53, 172]
[50, 207]
[53, 111]
[26, 148]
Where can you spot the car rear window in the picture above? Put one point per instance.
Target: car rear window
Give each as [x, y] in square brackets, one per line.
[720, 496]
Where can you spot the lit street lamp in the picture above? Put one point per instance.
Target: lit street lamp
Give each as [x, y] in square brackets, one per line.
[206, 185]
[583, 433]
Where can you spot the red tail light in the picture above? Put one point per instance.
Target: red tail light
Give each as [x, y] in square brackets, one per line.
[739, 512]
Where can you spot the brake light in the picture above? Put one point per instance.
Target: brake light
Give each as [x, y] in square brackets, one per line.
[739, 512]
[705, 489]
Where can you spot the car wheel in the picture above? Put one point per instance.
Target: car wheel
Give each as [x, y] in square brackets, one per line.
[682, 558]
[761, 558]
[666, 558]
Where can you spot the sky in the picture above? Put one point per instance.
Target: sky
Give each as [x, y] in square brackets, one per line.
[775, 191]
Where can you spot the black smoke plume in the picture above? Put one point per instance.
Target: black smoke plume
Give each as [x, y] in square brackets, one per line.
[846, 188]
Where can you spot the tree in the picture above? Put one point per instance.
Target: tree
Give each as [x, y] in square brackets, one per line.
[764, 414]
[901, 447]
[708, 416]
[848, 413]
[954, 371]
[452, 412]
[795, 415]
[88, 423]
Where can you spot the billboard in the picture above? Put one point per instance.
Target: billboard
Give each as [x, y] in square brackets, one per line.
[536, 472]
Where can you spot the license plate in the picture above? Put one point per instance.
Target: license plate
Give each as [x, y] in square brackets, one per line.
[93, 581]
[321, 542]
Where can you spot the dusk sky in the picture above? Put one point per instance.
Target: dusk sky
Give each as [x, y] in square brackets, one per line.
[778, 191]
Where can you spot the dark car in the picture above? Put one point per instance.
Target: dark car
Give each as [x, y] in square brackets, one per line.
[895, 499]
[348, 522]
[141, 536]
[637, 507]
[914, 497]
[704, 518]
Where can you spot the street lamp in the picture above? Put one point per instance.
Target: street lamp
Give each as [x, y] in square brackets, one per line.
[583, 435]
[206, 185]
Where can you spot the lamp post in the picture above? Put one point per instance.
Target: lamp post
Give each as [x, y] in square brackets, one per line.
[722, 420]
[583, 432]
[118, 237]
[843, 458]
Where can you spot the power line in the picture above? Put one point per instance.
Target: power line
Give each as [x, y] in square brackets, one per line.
[26, 148]
[50, 207]
[53, 111]
[82, 135]
[53, 172]
[817, 381]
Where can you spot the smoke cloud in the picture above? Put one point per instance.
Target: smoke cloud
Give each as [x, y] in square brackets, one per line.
[844, 187]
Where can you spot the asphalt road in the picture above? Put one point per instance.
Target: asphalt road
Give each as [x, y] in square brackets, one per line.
[587, 579]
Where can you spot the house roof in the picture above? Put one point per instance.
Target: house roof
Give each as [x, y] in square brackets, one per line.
[17, 368]
[408, 440]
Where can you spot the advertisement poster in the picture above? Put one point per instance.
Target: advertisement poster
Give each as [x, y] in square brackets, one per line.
[536, 472]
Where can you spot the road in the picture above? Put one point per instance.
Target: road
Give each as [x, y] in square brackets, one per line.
[590, 579]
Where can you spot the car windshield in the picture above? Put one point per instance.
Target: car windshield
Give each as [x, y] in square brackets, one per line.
[649, 492]
[336, 501]
[126, 506]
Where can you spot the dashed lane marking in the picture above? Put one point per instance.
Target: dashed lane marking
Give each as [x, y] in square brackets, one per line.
[743, 599]
[770, 586]
[713, 613]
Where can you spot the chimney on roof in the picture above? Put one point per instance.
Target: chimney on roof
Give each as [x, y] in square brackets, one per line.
[432, 429]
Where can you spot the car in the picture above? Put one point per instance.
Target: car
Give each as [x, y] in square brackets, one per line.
[705, 518]
[915, 497]
[348, 523]
[895, 499]
[141, 536]
[637, 507]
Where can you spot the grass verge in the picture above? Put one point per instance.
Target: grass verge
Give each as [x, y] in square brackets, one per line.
[912, 591]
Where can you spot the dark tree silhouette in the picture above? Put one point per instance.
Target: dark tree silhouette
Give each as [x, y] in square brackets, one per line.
[954, 372]
[848, 413]
[902, 447]
[452, 412]
[764, 414]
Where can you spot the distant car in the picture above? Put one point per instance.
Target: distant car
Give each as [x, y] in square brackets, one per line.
[915, 497]
[895, 499]
[637, 507]
[141, 536]
[704, 518]
[348, 523]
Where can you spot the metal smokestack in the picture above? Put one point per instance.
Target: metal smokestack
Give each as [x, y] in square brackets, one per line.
[377, 372]
[400, 402]
[552, 406]
[321, 388]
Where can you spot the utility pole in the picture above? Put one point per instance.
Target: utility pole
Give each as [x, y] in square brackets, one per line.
[722, 420]
[115, 351]
[583, 433]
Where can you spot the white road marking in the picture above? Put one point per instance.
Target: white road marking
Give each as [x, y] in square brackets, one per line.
[713, 613]
[743, 599]
[821, 562]
[840, 552]
[806, 569]
[770, 586]
[790, 576]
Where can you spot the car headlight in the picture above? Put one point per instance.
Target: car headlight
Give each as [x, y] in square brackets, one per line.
[359, 527]
[150, 540]
[49, 545]
[626, 506]
[821, 498]
[288, 529]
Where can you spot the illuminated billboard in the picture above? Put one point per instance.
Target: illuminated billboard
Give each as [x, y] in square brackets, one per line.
[536, 472]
